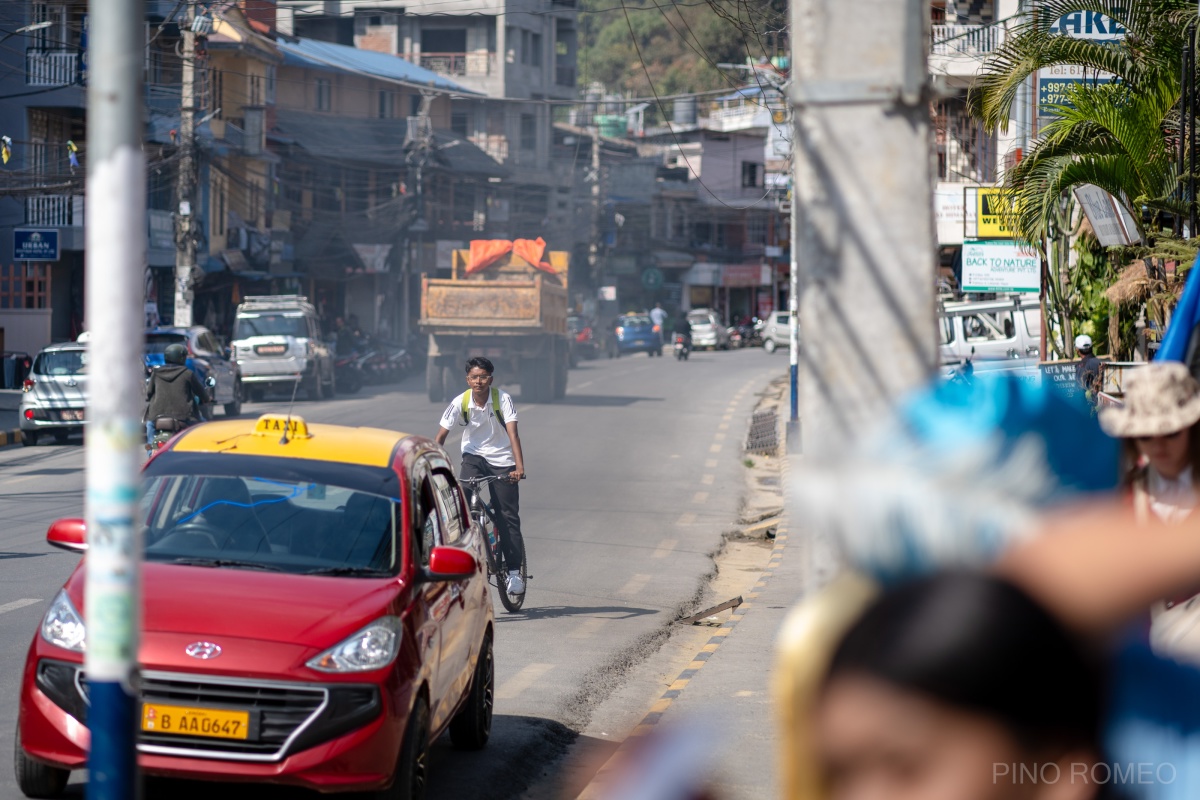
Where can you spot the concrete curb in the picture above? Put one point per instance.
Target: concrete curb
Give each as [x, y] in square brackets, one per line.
[10, 437]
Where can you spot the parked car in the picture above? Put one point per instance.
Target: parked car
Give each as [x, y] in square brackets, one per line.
[206, 358]
[777, 332]
[54, 393]
[277, 342]
[991, 330]
[707, 331]
[315, 613]
[637, 333]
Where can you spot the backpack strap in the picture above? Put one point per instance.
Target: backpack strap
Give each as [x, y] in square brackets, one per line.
[496, 405]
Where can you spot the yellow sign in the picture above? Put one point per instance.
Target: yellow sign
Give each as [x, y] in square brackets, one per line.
[269, 424]
[990, 211]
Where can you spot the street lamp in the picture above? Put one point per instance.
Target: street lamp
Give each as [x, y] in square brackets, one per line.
[36, 26]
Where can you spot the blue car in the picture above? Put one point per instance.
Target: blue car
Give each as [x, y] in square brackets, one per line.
[205, 358]
[637, 333]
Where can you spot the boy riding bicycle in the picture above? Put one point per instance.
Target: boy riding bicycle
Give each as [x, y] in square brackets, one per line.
[491, 447]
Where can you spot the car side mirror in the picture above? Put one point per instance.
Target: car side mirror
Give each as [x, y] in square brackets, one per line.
[68, 534]
[449, 564]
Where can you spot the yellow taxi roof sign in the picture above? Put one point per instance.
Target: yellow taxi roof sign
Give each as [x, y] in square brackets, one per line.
[281, 424]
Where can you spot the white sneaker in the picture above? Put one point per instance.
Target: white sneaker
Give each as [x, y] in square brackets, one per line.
[515, 584]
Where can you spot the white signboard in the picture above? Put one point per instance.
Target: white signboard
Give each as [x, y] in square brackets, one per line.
[1000, 266]
[1109, 219]
[949, 211]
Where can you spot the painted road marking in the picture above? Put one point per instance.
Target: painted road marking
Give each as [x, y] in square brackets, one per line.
[710, 463]
[716, 448]
[685, 519]
[664, 548]
[700, 497]
[584, 385]
[724, 426]
[15, 604]
[707, 480]
[720, 437]
[727, 417]
[634, 585]
[518, 683]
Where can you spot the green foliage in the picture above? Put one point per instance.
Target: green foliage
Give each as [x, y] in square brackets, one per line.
[680, 43]
[1090, 308]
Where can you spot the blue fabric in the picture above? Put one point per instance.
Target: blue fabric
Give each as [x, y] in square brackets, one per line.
[1183, 319]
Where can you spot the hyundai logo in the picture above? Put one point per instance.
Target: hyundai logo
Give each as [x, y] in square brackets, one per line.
[203, 650]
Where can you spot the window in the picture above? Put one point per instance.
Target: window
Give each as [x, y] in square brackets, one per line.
[24, 285]
[460, 123]
[270, 84]
[525, 48]
[528, 132]
[256, 90]
[414, 105]
[324, 94]
[375, 21]
[451, 506]
[988, 327]
[535, 53]
[387, 104]
[947, 330]
[751, 174]
[218, 91]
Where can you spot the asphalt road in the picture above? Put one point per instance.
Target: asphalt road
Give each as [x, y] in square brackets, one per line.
[626, 498]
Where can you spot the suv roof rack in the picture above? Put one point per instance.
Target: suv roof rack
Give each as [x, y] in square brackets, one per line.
[274, 301]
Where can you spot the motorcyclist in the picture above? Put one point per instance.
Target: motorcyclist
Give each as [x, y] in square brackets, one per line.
[684, 328]
[173, 391]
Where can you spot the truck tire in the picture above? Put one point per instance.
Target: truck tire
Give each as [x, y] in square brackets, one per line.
[561, 370]
[434, 385]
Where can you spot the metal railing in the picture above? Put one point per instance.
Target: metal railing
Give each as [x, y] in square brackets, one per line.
[51, 67]
[481, 63]
[54, 210]
[967, 40]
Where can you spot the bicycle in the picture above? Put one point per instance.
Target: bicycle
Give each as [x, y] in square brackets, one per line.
[484, 513]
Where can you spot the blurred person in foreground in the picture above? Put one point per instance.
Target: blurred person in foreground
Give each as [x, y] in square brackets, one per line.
[977, 645]
[1157, 425]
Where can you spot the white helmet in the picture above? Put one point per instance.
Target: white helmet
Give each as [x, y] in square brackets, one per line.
[1083, 342]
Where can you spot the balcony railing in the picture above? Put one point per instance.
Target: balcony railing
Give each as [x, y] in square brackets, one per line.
[480, 63]
[51, 67]
[966, 40]
[54, 210]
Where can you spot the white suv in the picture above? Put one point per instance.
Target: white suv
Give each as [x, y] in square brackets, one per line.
[277, 344]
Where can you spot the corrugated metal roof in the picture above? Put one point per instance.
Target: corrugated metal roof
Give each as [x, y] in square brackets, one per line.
[340, 58]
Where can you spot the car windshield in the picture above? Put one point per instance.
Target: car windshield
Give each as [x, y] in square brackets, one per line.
[271, 325]
[156, 343]
[636, 322]
[61, 362]
[243, 522]
[699, 318]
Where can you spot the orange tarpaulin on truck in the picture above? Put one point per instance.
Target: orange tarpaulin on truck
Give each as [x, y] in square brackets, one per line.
[485, 252]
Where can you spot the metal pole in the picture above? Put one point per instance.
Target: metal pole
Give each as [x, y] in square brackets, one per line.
[116, 253]
[794, 296]
[185, 241]
[594, 177]
[864, 191]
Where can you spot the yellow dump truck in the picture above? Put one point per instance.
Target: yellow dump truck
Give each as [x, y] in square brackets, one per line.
[511, 310]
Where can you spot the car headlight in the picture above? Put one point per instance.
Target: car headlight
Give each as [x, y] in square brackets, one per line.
[373, 647]
[62, 626]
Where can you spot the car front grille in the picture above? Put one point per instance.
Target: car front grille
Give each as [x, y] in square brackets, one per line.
[286, 717]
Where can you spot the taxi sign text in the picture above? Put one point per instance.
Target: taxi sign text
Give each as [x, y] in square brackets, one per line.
[272, 423]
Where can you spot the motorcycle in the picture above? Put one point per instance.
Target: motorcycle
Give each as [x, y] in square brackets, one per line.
[964, 373]
[166, 427]
[682, 347]
[347, 373]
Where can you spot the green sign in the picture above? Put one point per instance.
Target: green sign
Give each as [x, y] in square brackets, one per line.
[652, 278]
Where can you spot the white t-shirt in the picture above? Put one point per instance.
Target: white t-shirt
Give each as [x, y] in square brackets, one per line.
[658, 316]
[484, 435]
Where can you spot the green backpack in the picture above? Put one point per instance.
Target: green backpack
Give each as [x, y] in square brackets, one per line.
[466, 406]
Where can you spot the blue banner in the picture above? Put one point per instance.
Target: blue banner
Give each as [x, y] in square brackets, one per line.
[39, 244]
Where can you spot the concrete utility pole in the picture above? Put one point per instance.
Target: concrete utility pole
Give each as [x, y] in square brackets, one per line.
[594, 177]
[116, 254]
[419, 143]
[185, 240]
[864, 192]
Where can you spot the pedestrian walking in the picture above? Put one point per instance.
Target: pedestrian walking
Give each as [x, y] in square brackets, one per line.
[1089, 368]
[659, 317]
[1157, 424]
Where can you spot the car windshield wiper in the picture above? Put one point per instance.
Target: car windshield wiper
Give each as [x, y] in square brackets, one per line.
[367, 571]
[224, 562]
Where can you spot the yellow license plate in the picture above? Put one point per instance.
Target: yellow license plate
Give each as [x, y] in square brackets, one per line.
[188, 721]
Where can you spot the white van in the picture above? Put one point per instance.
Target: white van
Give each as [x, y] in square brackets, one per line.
[991, 331]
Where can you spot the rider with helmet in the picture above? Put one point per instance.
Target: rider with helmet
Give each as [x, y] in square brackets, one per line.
[1087, 371]
[173, 393]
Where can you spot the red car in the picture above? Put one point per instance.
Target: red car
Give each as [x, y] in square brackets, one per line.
[315, 614]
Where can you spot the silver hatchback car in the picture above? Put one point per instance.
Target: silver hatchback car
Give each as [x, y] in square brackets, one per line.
[55, 393]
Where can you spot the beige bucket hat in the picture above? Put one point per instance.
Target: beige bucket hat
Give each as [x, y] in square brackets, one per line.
[1160, 398]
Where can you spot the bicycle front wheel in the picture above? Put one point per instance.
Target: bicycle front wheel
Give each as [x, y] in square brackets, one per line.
[511, 602]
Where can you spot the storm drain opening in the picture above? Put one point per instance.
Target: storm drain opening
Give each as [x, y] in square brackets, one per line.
[763, 437]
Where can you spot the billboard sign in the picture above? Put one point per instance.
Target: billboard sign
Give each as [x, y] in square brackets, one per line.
[1054, 81]
[1001, 266]
[1112, 223]
[35, 244]
[985, 210]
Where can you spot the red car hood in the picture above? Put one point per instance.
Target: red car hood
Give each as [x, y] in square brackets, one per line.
[307, 610]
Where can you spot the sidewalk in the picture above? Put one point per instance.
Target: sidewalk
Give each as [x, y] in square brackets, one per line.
[724, 696]
[10, 432]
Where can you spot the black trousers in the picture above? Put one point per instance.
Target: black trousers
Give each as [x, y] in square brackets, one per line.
[506, 497]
